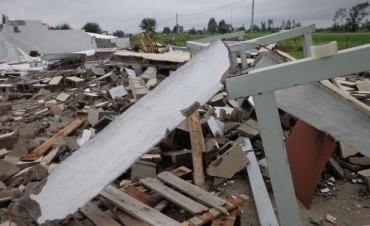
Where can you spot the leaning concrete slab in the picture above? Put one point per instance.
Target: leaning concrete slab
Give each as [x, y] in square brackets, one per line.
[87, 171]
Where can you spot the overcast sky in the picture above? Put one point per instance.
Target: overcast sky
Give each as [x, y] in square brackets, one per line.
[127, 15]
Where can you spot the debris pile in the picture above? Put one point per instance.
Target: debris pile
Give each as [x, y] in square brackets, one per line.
[47, 115]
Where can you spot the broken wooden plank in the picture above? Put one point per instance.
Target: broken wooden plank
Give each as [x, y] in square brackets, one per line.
[137, 208]
[173, 196]
[141, 196]
[227, 220]
[44, 147]
[123, 217]
[213, 213]
[78, 179]
[198, 147]
[97, 216]
[162, 205]
[194, 191]
[266, 213]
[150, 200]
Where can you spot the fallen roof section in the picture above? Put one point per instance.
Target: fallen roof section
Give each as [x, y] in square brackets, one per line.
[84, 174]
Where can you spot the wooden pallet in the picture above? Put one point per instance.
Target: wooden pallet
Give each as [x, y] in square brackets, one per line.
[141, 204]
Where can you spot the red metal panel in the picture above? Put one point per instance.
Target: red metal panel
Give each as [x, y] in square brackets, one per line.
[308, 151]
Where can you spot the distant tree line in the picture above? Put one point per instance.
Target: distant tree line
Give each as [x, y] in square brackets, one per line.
[352, 20]
[91, 27]
[222, 27]
[63, 26]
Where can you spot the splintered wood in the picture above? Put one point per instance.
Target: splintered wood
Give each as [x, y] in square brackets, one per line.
[198, 147]
[40, 150]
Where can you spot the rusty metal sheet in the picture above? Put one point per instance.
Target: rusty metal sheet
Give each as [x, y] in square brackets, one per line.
[308, 150]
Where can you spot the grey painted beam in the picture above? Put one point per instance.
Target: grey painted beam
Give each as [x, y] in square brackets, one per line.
[268, 39]
[266, 213]
[196, 46]
[307, 43]
[277, 160]
[299, 72]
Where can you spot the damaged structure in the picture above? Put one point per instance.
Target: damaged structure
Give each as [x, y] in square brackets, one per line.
[163, 139]
[21, 33]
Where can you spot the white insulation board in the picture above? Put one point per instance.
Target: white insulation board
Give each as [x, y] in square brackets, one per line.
[87, 171]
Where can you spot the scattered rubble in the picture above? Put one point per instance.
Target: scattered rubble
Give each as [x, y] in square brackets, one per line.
[47, 115]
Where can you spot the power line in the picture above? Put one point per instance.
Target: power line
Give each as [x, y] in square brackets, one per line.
[206, 11]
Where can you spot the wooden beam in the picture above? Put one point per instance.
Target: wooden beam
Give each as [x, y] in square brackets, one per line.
[175, 197]
[97, 216]
[198, 147]
[140, 195]
[44, 147]
[122, 217]
[195, 192]
[226, 220]
[137, 208]
[213, 213]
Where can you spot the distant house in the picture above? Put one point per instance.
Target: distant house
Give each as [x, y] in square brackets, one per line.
[33, 35]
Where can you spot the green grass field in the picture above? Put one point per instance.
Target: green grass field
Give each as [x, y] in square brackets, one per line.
[294, 45]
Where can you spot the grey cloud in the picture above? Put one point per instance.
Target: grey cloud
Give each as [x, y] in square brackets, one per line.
[126, 15]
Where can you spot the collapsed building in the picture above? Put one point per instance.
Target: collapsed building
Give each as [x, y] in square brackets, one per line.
[156, 139]
[21, 33]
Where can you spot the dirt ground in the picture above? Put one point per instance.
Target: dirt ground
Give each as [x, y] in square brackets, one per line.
[349, 204]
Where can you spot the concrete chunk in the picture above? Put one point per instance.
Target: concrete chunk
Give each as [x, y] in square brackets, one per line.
[3, 152]
[364, 161]
[62, 97]
[55, 81]
[149, 73]
[98, 71]
[7, 170]
[230, 162]
[7, 140]
[364, 85]
[118, 91]
[138, 87]
[143, 169]
[94, 116]
[346, 151]
[50, 103]
[249, 129]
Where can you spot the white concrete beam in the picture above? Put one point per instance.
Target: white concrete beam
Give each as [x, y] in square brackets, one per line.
[105, 157]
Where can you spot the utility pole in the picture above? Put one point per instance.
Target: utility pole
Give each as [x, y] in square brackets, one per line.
[177, 23]
[252, 24]
[231, 17]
